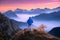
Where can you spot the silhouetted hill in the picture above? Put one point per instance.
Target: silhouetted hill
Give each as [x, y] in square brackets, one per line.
[51, 16]
[55, 31]
[7, 28]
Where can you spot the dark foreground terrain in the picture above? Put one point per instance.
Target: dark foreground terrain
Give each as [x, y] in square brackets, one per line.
[33, 34]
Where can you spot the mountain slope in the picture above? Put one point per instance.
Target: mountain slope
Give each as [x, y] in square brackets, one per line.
[7, 28]
[10, 14]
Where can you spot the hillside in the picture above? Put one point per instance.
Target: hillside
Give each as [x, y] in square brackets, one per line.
[33, 34]
[7, 28]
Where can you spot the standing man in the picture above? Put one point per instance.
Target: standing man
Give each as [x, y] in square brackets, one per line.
[29, 21]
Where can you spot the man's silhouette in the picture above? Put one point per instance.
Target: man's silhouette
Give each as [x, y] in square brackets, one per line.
[29, 21]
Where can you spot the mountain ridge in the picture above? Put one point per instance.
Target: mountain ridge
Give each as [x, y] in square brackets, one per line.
[51, 16]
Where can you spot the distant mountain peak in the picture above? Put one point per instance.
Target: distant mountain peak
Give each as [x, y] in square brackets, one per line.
[9, 11]
[10, 14]
[58, 7]
[47, 8]
[19, 9]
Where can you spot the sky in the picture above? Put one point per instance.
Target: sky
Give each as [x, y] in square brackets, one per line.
[28, 4]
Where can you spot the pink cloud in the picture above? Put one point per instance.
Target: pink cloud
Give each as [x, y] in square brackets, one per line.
[28, 1]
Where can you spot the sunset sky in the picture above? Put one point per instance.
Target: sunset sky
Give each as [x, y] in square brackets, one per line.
[27, 4]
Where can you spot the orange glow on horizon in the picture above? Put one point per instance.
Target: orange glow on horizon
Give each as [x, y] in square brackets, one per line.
[29, 6]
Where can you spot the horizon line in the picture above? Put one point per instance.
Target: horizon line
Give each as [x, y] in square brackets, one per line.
[29, 9]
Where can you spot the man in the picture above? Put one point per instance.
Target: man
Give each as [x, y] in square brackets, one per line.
[29, 21]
